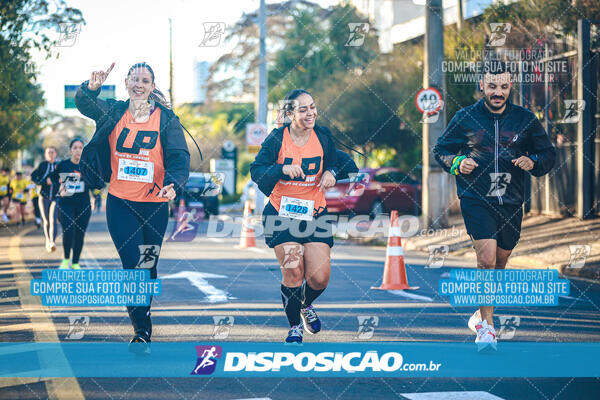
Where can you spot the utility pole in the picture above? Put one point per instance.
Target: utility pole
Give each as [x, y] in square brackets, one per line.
[262, 66]
[171, 94]
[459, 9]
[436, 183]
[261, 104]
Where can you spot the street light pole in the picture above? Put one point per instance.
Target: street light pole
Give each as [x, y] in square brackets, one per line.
[261, 111]
[436, 183]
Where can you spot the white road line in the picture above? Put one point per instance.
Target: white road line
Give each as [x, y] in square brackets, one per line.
[451, 396]
[216, 240]
[199, 280]
[257, 250]
[409, 295]
[43, 327]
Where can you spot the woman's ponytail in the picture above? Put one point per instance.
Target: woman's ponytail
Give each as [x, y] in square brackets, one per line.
[159, 97]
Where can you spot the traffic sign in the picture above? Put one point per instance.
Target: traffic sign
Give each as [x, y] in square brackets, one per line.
[429, 101]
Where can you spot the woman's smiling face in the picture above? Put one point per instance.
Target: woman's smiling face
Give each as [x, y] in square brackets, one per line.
[139, 84]
[305, 112]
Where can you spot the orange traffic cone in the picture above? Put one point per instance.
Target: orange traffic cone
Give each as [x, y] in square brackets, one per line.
[247, 238]
[394, 272]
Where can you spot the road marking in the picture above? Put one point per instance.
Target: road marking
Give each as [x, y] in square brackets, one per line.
[197, 279]
[57, 388]
[451, 396]
[409, 295]
[216, 240]
[256, 250]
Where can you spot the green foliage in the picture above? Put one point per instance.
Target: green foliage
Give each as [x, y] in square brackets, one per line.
[25, 25]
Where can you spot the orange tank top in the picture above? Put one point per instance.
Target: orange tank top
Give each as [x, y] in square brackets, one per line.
[136, 159]
[310, 158]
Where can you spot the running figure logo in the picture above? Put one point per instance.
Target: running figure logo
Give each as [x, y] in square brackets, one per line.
[579, 253]
[499, 33]
[499, 183]
[186, 222]
[366, 326]
[437, 255]
[573, 109]
[77, 327]
[508, 326]
[358, 33]
[212, 34]
[148, 255]
[207, 359]
[223, 325]
[292, 254]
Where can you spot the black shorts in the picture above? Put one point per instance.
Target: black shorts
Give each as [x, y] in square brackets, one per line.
[487, 220]
[279, 230]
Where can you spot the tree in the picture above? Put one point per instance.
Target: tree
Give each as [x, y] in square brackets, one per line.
[25, 25]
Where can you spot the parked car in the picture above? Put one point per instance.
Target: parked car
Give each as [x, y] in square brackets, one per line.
[200, 189]
[376, 191]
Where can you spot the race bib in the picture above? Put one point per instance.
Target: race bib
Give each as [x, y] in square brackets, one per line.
[296, 208]
[3, 188]
[71, 183]
[135, 170]
[74, 187]
[19, 196]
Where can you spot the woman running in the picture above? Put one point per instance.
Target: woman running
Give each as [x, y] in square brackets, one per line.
[74, 206]
[47, 199]
[18, 188]
[295, 164]
[140, 150]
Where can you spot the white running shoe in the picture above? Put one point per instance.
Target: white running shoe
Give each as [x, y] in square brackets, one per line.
[5, 218]
[486, 336]
[474, 320]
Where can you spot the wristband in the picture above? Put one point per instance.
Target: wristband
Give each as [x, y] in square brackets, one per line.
[455, 169]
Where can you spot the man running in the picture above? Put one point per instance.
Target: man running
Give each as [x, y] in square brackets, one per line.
[47, 199]
[490, 147]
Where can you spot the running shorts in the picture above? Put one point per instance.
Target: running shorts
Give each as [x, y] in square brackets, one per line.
[278, 230]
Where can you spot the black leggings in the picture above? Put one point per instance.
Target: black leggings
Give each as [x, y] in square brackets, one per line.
[132, 225]
[74, 217]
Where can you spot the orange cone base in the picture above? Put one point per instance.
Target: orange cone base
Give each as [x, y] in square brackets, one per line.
[397, 286]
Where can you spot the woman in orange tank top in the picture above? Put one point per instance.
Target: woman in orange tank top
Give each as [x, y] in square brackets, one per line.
[140, 149]
[294, 166]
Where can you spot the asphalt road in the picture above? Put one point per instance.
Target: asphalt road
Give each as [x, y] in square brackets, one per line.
[207, 280]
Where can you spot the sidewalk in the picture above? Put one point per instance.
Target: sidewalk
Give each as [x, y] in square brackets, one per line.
[569, 245]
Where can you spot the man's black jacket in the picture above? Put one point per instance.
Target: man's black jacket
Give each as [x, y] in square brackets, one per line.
[493, 140]
[95, 159]
[41, 174]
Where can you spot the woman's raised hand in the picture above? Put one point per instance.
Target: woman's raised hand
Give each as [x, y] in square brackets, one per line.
[98, 78]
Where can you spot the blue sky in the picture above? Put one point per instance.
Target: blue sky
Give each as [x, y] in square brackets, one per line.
[127, 32]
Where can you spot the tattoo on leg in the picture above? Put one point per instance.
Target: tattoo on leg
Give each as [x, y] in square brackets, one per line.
[292, 254]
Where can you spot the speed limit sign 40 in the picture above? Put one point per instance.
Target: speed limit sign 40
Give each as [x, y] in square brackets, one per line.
[429, 101]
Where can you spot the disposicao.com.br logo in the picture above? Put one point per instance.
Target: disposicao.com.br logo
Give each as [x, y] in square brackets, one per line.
[350, 362]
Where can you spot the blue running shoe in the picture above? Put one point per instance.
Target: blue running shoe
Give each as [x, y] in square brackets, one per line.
[294, 335]
[310, 319]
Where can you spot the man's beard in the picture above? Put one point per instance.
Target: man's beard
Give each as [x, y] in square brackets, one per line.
[491, 105]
